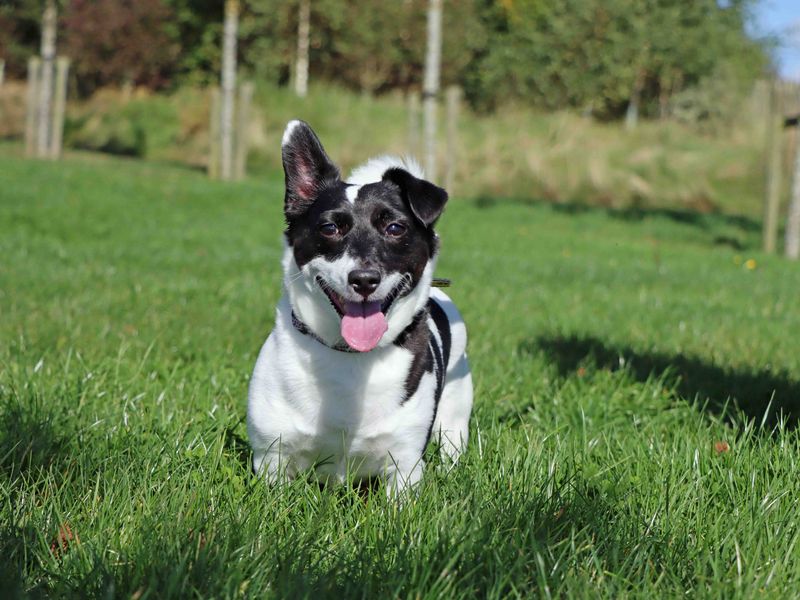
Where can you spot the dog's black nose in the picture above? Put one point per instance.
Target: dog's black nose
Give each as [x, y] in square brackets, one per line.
[364, 281]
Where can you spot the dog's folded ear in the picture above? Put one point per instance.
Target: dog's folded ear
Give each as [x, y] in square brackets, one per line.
[306, 167]
[425, 199]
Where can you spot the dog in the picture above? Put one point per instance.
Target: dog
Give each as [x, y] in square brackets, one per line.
[367, 362]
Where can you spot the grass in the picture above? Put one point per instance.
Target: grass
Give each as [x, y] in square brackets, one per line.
[607, 457]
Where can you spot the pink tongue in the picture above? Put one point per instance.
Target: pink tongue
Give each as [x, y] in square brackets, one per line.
[363, 325]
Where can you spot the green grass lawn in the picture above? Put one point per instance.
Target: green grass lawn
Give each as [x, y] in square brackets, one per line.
[605, 460]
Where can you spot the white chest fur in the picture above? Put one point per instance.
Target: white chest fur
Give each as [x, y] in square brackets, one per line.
[310, 406]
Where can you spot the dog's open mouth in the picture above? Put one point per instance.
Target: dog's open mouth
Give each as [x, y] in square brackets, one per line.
[363, 323]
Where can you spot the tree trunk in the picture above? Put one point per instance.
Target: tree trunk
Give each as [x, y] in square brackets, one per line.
[632, 114]
[228, 88]
[664, 91]
[772, 198]
[303, 35]
[2, 71]
[433, 58]
[48, 51]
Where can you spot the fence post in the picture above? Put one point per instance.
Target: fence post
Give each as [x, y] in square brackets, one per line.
[59, 106]
[213, 133]
[774, 139]
[453, 95]
[430, 90]
[242, 122]
[31, 116]
[2, 71]
[413, 123]
[792, 239]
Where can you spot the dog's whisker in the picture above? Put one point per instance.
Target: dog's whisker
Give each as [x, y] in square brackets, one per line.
[296, 277]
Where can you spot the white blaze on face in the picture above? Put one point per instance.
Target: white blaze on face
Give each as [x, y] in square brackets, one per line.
[351, 191]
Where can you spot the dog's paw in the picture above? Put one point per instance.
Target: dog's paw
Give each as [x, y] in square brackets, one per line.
[267, 465]
[402, 485]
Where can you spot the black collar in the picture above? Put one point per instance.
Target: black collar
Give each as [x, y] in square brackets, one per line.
[303, 328]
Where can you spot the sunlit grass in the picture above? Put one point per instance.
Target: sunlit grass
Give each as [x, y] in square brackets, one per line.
[607, 456]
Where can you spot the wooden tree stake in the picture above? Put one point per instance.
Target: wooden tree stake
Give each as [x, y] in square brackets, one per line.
[31, 117]
[59, 106]
[413, 123]
[242, 122]
[792, 241]
[774, 159]
[453, 97]
[213, 133]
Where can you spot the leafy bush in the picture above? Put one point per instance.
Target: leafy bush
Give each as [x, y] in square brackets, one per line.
[111, 123]
[12, 109]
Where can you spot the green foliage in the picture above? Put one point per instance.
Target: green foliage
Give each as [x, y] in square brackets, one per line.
[596, 55]
[592, 55]
[163, 127]
[370, 46]
[196, 27]
[19, 33]
[605, 458]
[107, 133]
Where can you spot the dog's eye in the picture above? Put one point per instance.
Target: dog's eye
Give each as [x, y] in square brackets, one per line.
[328, 229]
[395, 229]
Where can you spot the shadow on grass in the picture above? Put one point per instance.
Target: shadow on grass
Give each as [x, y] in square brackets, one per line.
[32, 438]
[518, 543]
[703, 219]
[15, 548]
[237, 447]
[692, 377]
[514, 543]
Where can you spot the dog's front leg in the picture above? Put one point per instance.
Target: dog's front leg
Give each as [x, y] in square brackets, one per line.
[402, 477]
[267, 463]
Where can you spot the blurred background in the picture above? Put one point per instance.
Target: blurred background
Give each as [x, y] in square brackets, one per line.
[618, 103]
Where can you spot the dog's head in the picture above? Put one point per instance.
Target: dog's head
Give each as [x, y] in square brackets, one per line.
[360, 254]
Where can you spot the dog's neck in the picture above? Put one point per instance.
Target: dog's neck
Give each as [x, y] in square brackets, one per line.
[304, 329]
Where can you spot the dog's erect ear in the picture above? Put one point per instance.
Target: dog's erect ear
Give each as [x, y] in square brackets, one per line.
[306, 167]
[425, 199]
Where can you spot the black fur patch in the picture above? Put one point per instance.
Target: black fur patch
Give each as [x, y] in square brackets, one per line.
[306, 167]
[429, 355]
[416, 339]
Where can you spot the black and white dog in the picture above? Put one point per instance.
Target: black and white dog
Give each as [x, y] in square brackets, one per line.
[366, 363]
